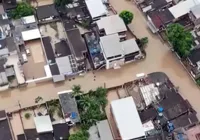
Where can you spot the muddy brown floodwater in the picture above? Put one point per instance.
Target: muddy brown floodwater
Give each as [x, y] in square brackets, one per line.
[159, 58]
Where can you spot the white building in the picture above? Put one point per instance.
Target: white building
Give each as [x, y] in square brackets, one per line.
[96, 9]
[43, 124]
[112, 25]
[183, 8]
[127, 119]
[117, 53]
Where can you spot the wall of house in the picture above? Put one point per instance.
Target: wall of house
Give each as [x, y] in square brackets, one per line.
[193, 19]
[110, 63]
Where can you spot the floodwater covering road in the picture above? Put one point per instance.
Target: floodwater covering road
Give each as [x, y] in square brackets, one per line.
[159, 58]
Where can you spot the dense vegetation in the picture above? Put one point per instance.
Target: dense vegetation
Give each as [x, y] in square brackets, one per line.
[23, 9]
[126, 16]
[180, 39]
[91, 107]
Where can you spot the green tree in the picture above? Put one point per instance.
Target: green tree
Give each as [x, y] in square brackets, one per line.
[62, 3]
[180, 39]
[76, 90]
[80, 135]
[23, 9]
[126, 16]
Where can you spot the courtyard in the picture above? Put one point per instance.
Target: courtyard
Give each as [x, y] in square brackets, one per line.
[34, 68]
[159, 58]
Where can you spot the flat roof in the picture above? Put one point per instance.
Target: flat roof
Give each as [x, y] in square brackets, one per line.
[48, 49]
[28, 19]
[127, 118]
[62, 48]
[129, 46]
[31, 34]
[104, 130]
[43, 124]
[161, 17]
[77, 43]
[194, 56]
[61, 130]
[69, 105]
[64, 65]
[111, 45]
[4, 127]
[183, 7]
[96, 8]
[196, 11]
[106, 23]
[46, 11]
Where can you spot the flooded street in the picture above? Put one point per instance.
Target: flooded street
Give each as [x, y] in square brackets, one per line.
[159, 58]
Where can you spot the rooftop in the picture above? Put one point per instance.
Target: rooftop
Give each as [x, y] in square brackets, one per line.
[4, 127]
[194, 56]
[156, 4]
[69, 106]
[48, 50]
[77, 43]
[64, 65]
[93, 43]
[111, 48]
[196, 11]
[115, 47]
[161, 17]
[183, 7]
[96, 8]
[61, 130]
[43, 124]
[104, 130]
[62, 48]
[127, 119]
[129, 46]
[31, 34]
[54, 69]
[106, 23]
[28, 19]
[46, 11]
[9, 4]
[32, 134]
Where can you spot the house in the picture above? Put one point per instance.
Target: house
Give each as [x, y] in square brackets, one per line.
[5, 127]
[104, 130]
[152, 5]
[93, 44]
[195, 14]
[157, 20]
[194, 61]
[43, 124]
[69, 107]
[96, 9]
[9, 4]
[78, 48]
[183, 8]
[117, 53]
[106, 27]
[46, 13]
[127, 119]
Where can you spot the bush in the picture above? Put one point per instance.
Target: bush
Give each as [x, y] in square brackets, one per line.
[198, 82]
[126, 16]
[23, 9]
[27, 116]
[80, 135]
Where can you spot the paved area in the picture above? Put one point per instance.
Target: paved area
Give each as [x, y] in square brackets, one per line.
[34, 68]
[159, 58]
